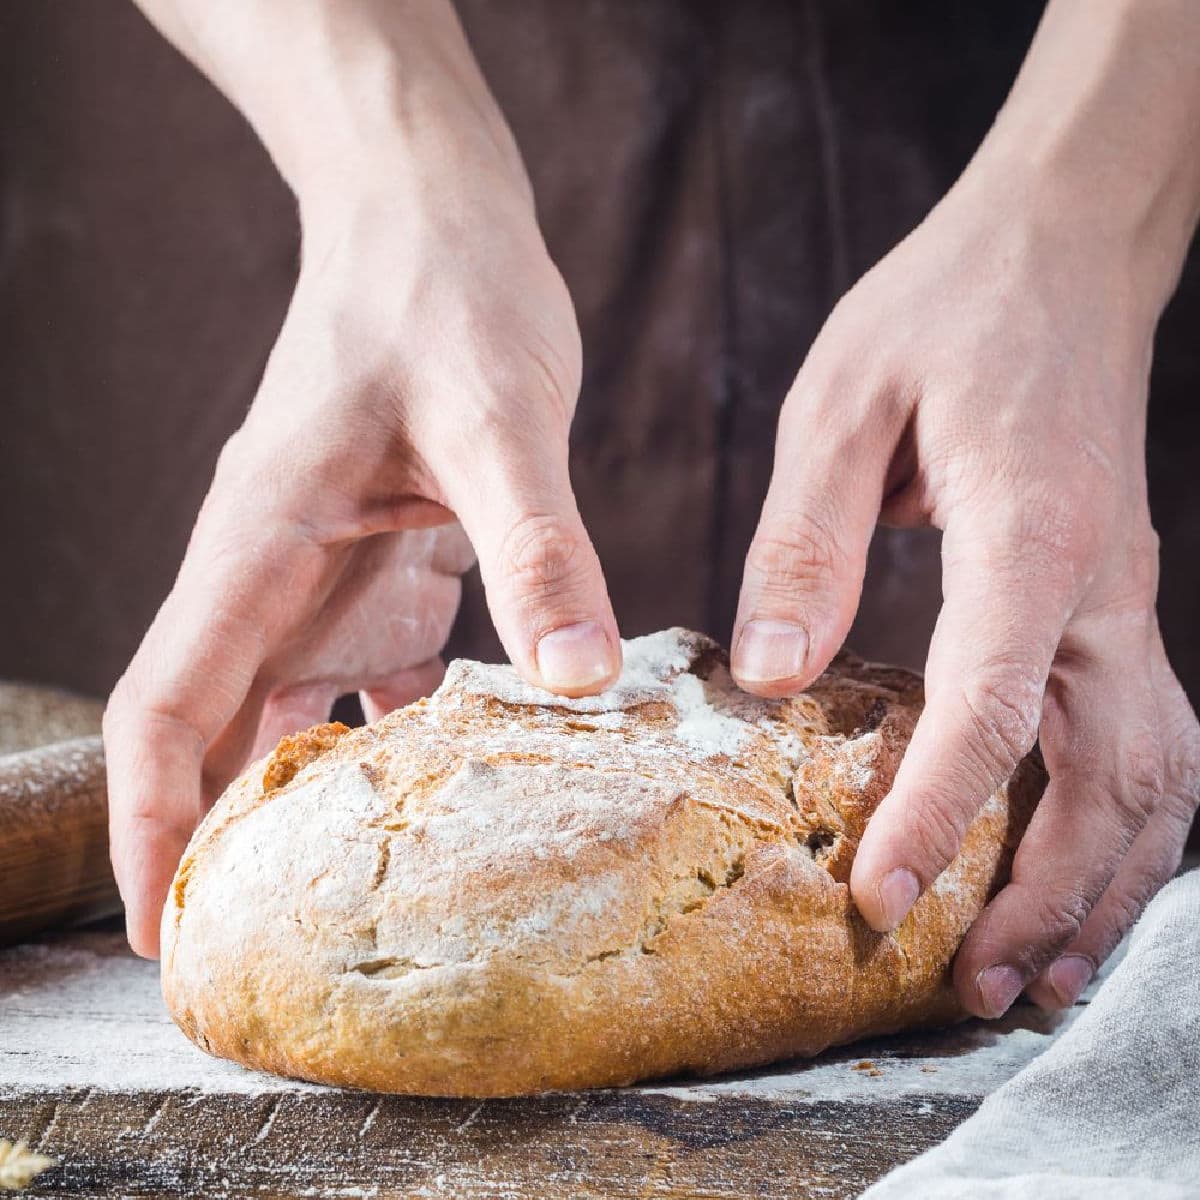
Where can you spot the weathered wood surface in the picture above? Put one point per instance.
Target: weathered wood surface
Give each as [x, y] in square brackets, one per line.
[627, 1144]
[93, 1073]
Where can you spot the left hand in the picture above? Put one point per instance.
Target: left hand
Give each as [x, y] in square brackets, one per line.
[989, 377]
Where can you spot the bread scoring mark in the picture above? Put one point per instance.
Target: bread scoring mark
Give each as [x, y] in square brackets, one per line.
[409, 796]
[382, 863]
[685, 895]
[296, 750]
[695, 886]
[390, 967]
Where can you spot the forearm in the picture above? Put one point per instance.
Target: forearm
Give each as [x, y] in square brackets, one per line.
[1101, 133]
[335, 90]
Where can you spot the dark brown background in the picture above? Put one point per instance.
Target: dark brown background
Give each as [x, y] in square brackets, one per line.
[710, 177]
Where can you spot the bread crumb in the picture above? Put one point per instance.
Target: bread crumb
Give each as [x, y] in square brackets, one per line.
[863, 1065]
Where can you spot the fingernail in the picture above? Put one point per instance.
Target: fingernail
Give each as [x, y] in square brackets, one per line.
[770, 650]
[998, 988]
[898, 891]
[1068, 976]
[575, 657]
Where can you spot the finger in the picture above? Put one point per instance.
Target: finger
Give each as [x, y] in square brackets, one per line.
[402, 688]
[545, 589]
[1102, 752]
[451, 553]
[188, 680]
[390, 607]
[229, 752]
[1152, 860]
[382, 630]
[1007, 596]
[804, 569]
[286, 711]
[146, 755]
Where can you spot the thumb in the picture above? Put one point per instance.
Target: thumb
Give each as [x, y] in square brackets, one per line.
[805, 566]
[545, 589]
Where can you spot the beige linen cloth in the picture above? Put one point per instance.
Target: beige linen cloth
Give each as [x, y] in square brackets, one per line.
[1111, 1111]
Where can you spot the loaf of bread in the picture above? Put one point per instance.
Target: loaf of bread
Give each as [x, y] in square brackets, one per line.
[499, 891]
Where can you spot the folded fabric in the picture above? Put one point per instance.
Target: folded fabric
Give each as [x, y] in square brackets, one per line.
[1111, 1111]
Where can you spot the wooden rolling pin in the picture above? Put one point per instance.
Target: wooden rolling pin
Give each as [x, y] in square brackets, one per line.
[54, 867]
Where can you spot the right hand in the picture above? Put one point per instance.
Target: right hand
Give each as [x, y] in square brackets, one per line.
[426, 374]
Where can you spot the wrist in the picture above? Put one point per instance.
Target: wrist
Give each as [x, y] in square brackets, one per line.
[446, 173]
[1134, 231]
[361, 98]
[1097, 146]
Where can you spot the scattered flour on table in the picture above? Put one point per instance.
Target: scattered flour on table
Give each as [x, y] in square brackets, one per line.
[73, 1017]
[86, 1013]
[968, 1061]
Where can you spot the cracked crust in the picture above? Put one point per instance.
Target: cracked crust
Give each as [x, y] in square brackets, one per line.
[498, 891]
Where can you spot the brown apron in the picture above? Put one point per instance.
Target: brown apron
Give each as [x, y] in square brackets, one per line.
[710, 177]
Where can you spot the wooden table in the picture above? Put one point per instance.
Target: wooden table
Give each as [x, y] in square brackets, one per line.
[94, 1074]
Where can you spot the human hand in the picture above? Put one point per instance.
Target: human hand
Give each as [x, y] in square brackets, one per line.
[426, 374]
[989, 377]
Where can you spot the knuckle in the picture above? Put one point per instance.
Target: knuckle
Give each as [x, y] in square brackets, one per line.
[527, 397]
[144, 707]
[1056, 525]
[556, 376]
[1181, 758]
[1003, 704]
[1123, 908]
[937, 826]
[1181, 755]
[1059, 914]
[1059, 524]
[1142, 784]
[543, 557]
[1050, 531]
[795, 554]
[131, 701]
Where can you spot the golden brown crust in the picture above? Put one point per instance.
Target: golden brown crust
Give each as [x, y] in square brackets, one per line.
[296, 750]
[498, 891]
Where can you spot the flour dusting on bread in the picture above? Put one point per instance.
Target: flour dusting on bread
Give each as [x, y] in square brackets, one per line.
[712, 715]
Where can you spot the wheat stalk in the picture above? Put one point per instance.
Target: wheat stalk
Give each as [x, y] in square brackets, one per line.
[19, 1165]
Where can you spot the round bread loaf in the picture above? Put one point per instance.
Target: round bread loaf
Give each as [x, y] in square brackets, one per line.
[499, 891]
